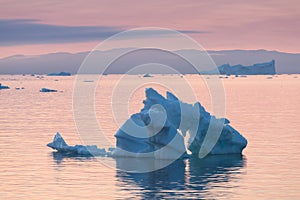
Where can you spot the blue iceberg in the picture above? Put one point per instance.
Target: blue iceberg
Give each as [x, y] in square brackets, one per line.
[59, 74]
[159, 131]
[267, 68]
[171, 134]
[60, 145]
[3, 87]
[47, 90]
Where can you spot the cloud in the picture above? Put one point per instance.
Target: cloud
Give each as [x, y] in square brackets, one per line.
[24, 31]
[28, 31]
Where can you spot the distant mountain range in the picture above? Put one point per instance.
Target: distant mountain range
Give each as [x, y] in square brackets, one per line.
[285, 63]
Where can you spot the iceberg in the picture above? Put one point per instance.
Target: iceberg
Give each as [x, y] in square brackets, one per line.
[176, 127]
[59, 74]
[19, 88]
[256, 69]
[3, 87]
[47, 90]
[61, 146]
[159, 131]
[267, 68]
[147, 75]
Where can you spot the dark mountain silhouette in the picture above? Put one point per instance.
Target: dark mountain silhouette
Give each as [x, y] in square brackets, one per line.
[286, 63]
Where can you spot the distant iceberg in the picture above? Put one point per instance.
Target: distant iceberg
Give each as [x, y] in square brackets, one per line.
[3, 87]
[147, 75]
[40, 77]
[267, 68]
[47, 90]
[149, 134]
[59, 74]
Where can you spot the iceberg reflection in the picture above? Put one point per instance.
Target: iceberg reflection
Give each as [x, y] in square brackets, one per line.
[185, 178]
[197, 175]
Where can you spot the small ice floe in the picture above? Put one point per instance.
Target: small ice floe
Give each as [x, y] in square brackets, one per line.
[147, 75]
[3, 87]
[61, 146]
[40, 77]
[47, 90]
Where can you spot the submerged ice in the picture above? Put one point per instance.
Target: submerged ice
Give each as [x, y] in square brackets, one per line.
[160, 128]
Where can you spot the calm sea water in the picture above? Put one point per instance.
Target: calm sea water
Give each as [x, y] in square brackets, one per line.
[264, 110]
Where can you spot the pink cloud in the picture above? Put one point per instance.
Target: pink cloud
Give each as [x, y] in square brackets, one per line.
[270, 24]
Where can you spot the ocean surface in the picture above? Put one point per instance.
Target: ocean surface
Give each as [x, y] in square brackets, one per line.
[264, 109]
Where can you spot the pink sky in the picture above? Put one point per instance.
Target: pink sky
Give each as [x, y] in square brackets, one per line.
[228, 24]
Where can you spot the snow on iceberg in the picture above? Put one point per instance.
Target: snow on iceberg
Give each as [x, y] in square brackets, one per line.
[159, 131]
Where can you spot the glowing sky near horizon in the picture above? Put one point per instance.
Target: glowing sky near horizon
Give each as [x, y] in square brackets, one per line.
[217, 24]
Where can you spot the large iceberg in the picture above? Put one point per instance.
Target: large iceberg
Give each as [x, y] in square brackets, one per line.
[180, 119]
[267, 68]
[259, 68]
[159, 131]
[59, 74]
